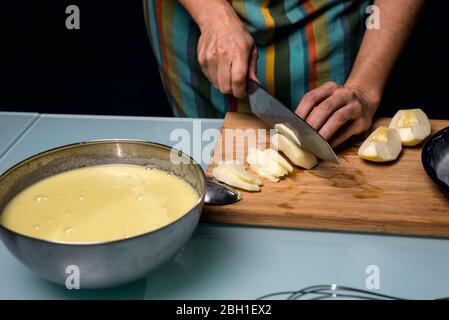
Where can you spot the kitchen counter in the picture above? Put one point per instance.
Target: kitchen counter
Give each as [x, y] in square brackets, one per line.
[12, 125]
[223, 262]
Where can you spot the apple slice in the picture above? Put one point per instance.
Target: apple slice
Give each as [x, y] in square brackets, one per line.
[264, 174]
[383, 145]
[239, 170]
[261, 159]
[266, 164]
[280, 159]
[287, 132]
[226, 175]
[413, 126]
[298, 156]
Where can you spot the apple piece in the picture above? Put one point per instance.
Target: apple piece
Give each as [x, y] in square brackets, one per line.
[297, 155]
[239, 170]
[287, 132]
[269, 165]
[265, 166]
[223, 174]
[413, 126]
[383, 145]
[261, 172]
[280, 159]
[261, 159]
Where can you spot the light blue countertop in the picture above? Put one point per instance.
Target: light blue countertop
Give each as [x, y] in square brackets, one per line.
[226, 262]
[12, 125]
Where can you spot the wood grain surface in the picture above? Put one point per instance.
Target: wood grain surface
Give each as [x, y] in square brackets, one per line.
[355, 195]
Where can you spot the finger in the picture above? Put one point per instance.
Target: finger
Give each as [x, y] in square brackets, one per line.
[212, 72]
[338, 120]
[315, 97]
[239, 72]
[252, 73]
[202, 61]
[224, 76]
[353, 129]
[320, 114]
[211, 59]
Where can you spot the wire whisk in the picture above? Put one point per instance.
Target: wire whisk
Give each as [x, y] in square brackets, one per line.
[333, 291]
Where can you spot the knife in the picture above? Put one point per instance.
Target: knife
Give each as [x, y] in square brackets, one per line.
[273, 112]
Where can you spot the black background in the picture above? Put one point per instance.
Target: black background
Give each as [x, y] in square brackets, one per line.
[107, 66]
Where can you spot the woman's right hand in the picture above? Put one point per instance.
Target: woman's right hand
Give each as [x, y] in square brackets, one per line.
[227, 53]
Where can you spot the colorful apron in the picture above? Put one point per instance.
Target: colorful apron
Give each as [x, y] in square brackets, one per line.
[301, 43]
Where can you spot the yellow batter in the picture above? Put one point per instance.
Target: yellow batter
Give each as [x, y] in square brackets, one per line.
[98, 204]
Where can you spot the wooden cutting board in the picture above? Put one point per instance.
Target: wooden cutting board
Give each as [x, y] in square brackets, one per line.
[354, 195]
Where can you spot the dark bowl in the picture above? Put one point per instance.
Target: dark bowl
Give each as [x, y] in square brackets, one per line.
[435, 159]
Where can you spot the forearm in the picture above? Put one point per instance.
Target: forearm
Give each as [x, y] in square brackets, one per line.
[210, 11]
[381, 48]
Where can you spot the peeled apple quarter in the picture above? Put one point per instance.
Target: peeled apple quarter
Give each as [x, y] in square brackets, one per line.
[413, 126]
[383, 145]
[298, 156]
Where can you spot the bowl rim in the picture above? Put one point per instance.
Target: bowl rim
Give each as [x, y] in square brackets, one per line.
[101, 141]
[425, 159]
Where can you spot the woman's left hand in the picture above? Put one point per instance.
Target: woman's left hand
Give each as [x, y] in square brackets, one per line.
[338, 112]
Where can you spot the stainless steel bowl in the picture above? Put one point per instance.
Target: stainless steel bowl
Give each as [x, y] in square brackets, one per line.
[111, 263]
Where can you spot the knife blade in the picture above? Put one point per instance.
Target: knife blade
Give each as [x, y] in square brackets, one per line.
[272, 112]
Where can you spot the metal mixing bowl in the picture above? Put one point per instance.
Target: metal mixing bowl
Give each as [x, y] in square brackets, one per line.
[111, 263]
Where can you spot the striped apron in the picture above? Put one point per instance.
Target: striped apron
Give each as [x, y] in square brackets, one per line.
[301, 43]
